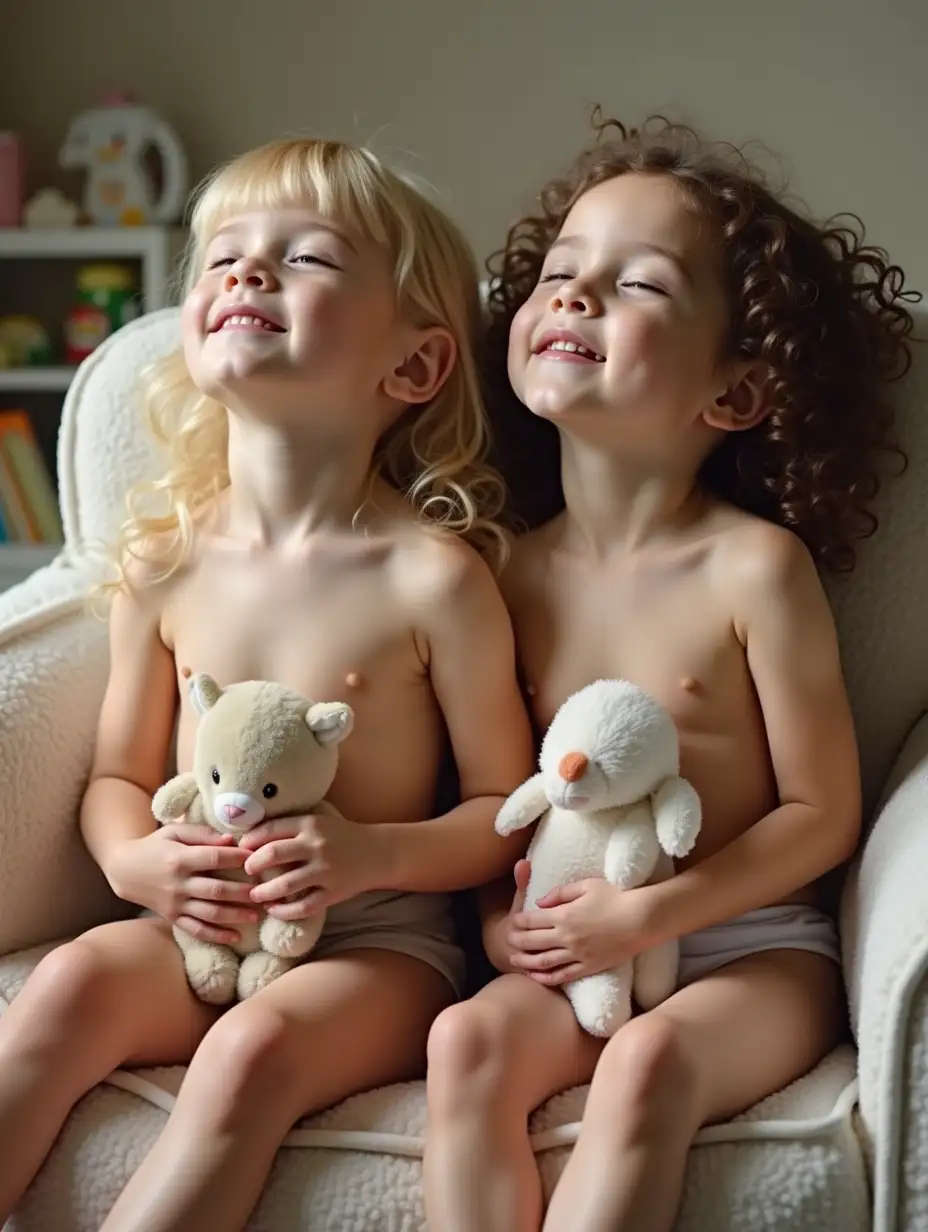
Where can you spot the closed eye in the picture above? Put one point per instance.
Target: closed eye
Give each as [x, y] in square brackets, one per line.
[307, 258]
[553, 277]
[221, 261]
[638, 285]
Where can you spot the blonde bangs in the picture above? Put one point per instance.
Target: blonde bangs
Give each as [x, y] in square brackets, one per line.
[435, 454]
[339, 182]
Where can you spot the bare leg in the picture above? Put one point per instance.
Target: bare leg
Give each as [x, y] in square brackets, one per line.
[319, 1033]
[709, 1052]
[118, 994]
[492, 1060]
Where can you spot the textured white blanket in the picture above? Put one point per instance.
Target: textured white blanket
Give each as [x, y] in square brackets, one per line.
[357, 1167]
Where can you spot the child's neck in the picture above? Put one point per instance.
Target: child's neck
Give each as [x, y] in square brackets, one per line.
[287, 487]
[618, 504]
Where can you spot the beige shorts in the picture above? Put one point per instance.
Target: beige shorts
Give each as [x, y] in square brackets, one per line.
[419, 925]
[792, 926]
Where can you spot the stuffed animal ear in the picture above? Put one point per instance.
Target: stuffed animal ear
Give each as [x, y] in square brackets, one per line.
[330, 722]
[204, 692]
[677, 816]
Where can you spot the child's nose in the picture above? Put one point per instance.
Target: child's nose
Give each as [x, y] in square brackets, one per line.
[249, 273]
[573, 297]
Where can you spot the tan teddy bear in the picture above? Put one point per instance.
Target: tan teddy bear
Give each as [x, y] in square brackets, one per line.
[262, 751]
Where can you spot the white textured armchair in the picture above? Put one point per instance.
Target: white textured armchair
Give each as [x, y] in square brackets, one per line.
[844, 1148]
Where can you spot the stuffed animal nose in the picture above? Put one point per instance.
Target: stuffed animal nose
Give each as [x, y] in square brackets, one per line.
[233, 812]
[572, 767]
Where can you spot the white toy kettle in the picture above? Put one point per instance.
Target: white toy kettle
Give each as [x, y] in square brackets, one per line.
[111, 141]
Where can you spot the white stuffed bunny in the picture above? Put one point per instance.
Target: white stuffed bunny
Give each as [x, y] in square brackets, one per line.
[612, 804]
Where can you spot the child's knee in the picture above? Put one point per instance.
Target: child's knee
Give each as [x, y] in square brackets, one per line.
[467, 1049]
[77, 983]
[645, 1076]
[251, 1055]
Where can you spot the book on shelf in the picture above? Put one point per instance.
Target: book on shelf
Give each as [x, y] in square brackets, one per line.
[28, 501]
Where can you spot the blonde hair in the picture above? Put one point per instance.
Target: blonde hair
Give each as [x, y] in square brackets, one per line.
[435, 454]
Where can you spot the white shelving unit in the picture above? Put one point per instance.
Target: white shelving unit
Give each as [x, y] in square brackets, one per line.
[155, 248]
[36, 380]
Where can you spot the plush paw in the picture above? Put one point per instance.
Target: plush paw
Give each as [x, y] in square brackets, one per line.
[525, 805]
[290, 938]
[677, 816]
[602, 1003]
[258, 970]
[212, 972]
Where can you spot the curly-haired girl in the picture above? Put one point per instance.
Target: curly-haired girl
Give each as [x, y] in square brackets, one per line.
[712, 367]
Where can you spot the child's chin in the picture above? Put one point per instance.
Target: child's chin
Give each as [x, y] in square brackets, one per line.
[554, 408]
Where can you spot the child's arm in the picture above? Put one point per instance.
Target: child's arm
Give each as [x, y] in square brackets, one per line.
[134, 730]
[470, 653]
[783, 619]
[161, 869]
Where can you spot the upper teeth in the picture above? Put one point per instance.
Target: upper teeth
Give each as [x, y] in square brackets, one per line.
[575, 346]
[241, 319]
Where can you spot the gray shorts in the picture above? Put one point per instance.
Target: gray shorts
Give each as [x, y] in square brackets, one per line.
[419, 925]
[793, 926]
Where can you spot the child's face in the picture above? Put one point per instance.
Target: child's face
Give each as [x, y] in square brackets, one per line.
[634, 278]
[293, 316]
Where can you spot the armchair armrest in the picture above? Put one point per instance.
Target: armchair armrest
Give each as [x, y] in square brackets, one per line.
[884, 930]
[54, 661]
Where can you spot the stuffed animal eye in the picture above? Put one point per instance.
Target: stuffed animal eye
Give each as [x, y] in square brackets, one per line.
[215, 775]
[270, 791]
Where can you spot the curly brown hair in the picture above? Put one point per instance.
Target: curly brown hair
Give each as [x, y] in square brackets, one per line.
[823, 312]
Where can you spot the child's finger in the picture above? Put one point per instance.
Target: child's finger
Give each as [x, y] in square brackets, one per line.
[286, 885]
[272, 855]
[561, 975]
[550, 960]
[301, 909]
[197, 836]
[219, 913]
[521, 874]
[218, 890]
[206, 932]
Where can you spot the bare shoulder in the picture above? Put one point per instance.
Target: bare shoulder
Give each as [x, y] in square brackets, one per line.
[762, 568]
[144, 598]
[430, 568]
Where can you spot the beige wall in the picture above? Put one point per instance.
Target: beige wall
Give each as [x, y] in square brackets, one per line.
[491, 95]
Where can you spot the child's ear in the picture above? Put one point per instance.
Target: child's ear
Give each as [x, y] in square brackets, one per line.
[421, 375]
[742, 404]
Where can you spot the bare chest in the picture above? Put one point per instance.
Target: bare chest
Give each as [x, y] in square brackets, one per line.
[666, 631]
[332, 633]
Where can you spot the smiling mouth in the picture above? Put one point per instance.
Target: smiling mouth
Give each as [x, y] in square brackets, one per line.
[247, 322]
[571, 351]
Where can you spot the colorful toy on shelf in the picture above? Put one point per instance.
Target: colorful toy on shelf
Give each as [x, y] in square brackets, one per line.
[11, 180]
[107, 298]
[24, 342]
[111, 141]
[50, 208]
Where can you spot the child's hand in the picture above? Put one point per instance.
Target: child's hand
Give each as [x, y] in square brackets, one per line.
[496, 938]
[326, 857]
[580, 929]
[167, 872]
